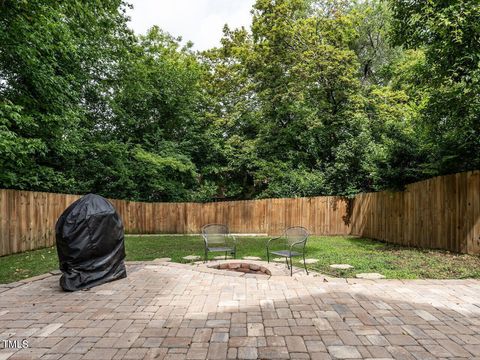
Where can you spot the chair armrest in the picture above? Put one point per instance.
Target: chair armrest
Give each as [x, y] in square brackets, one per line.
[304, 242]
[272, 239]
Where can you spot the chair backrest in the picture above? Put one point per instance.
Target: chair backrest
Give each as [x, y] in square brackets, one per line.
[296, 234]
[215, 233]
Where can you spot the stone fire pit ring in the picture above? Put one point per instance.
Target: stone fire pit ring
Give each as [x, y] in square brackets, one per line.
[243, 267]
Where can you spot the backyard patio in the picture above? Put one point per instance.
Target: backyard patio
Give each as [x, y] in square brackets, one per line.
[166, 310]
[173, 305]
[255, 179]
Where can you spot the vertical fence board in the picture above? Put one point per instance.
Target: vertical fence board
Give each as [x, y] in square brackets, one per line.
[4, 224]
[473, 211]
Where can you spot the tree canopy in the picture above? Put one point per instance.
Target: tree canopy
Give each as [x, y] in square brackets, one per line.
[316, 97]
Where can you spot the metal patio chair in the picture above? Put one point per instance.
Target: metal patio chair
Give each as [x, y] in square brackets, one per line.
[217, 238]
[294, 237]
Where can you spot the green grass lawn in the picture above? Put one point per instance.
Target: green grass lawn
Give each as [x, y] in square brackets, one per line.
[365, 255]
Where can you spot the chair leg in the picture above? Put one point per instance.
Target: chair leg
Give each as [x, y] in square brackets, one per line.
[304, 263]
[225, 255]
[291, 267]
[206, 256]
[268, 257]
[286, 260]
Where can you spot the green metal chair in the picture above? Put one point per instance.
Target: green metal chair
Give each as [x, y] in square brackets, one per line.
[217, 238]
[294, 237]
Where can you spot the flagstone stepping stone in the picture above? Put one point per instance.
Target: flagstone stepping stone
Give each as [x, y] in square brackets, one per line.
[311, 261]
[252, 258]
[341, 266]
[191, 258]
[221, 257]
[370, 276]
[279, 259]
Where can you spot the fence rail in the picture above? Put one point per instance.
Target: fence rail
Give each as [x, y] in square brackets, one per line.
[442, 212]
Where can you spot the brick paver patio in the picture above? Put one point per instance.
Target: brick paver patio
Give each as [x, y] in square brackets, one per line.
[174, 311]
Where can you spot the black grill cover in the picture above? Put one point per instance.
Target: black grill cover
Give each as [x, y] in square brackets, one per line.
[90, 244]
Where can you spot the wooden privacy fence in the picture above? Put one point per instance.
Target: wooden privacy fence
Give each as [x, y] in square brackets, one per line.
[27, 219]
[438, 213]
[442, 212]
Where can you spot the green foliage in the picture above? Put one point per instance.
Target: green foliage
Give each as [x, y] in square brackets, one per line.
[449, 34]
[281, 180]
[16, 153]
[371, 44]
[55, 58]
[301, 118]
[318, 97]
[87, 107]
[164, 177]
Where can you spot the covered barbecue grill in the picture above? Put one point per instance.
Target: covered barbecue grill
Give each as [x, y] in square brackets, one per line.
[90, 244]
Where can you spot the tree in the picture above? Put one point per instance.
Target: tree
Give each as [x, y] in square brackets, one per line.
[56, 59]
[292, 95]
[86, 106]
[449, 34]
[375, 53]
[318, 97]
[156, 114]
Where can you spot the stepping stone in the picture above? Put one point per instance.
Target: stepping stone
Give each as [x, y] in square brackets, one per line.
[252, 258]
[311, 261]
[191, 258]
[370, 276]
[163, 260]
[341, 266]
[278, 259]
[221, 257]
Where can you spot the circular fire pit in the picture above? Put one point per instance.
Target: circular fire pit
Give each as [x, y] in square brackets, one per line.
[243, 267]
